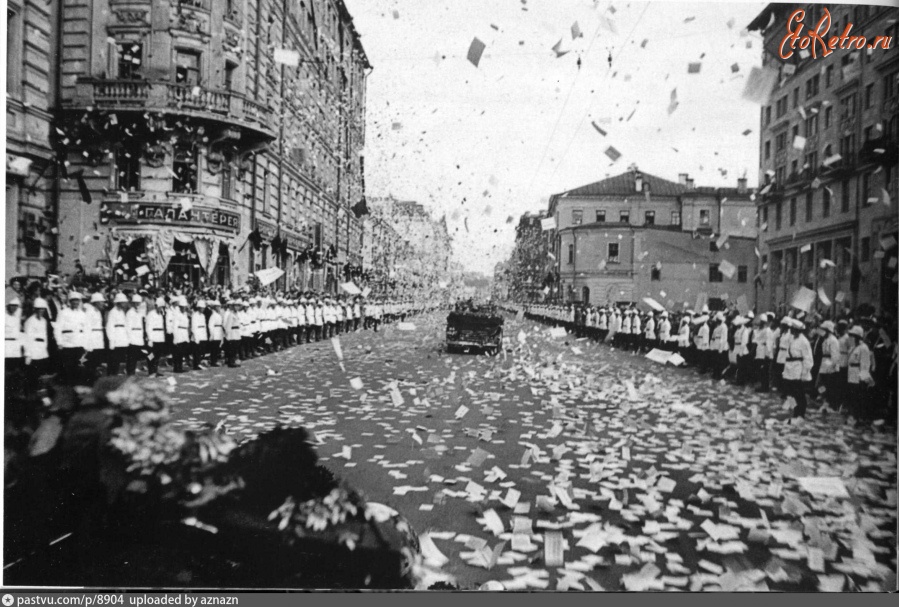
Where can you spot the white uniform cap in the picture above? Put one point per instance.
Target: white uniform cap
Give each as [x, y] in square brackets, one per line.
[97, 298]
[160, 302]
[201, 304]
[137, 299]
[182, 301]
[120, 298]
[40, 303]
[75, 295]
[14, 302]
[215, 303]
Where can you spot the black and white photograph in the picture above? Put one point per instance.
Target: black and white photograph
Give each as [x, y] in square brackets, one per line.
[450, 295]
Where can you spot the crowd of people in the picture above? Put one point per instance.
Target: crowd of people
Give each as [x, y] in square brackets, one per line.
[76, 335]
[846, 364]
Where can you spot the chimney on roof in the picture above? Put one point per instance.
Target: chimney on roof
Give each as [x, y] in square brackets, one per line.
[682, 178]
[638, 181]
[741, 185]
[689, 183]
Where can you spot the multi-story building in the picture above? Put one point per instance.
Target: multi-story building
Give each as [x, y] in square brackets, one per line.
[423, 257]
[381, 246]
[828, 163]
[30, 162]
[209, 139]
[636, 235]
[530, 268]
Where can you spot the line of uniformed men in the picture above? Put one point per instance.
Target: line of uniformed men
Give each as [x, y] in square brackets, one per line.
[749, 350]
[84, 336]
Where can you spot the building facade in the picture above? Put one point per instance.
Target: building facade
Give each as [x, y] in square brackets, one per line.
[636, 235]
[531, 270]
[422, 260]
[31, 233]
[208, 139]
[829, 164]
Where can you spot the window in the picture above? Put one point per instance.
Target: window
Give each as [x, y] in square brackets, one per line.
[704, 217]
[230, 70]
[764, 225]
[844, 198]
[794, 168]
[828, 76]
[714, 274]
[780, 175]
[847, 147]
[742, 273]
[869, 96]
[613, 252]
[655, 273]
[767, 115]
[781, 141]
[847, 106]
[185, 168]
[792, 211]
[13, 52]
[811, 162]
[828, 116]
[625, 217]
[32, 238]
[713, 246]
[865, 249]
[781, 106]
[809, 211]
[891, 85]
[795, 132]
[869, 130]
[577, 216]
[825, 207]
[811, 125]
[571, 253]
[768, 150]
[187, 68]
[130, 60]
[675, 218]
[778, 214]
[650, 218]
[865, 185]
[227, 180]
[126, 173]
[795, 97]
[600, 216]
[811, 86]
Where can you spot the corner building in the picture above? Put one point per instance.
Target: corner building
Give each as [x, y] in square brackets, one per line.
[183, 137]
[829, 163]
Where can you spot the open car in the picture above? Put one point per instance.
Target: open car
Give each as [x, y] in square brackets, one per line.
[474, 327]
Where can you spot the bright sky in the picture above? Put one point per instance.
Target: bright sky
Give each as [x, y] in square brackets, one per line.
[485, 144]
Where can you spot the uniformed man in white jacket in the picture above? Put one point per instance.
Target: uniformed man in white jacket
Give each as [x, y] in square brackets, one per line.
[36, 344]
[181, 335]
[199, 333]
[15, 339]
[798, 367]
[232, 331]
[829, 372]
[786, 336]
[95, 334]
[216, 332]
[71, 338]
[859, 378]
[155, 324]
[136, 334]
[117, 334]
[761, 339]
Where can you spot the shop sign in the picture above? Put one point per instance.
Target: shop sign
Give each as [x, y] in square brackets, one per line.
[173, 215]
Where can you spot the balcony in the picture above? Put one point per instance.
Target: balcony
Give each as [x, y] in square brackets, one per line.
[226, 107]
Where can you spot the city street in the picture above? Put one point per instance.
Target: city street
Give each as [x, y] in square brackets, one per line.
[652, 477]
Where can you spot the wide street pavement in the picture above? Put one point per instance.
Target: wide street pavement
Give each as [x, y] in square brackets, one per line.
[625, 474]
